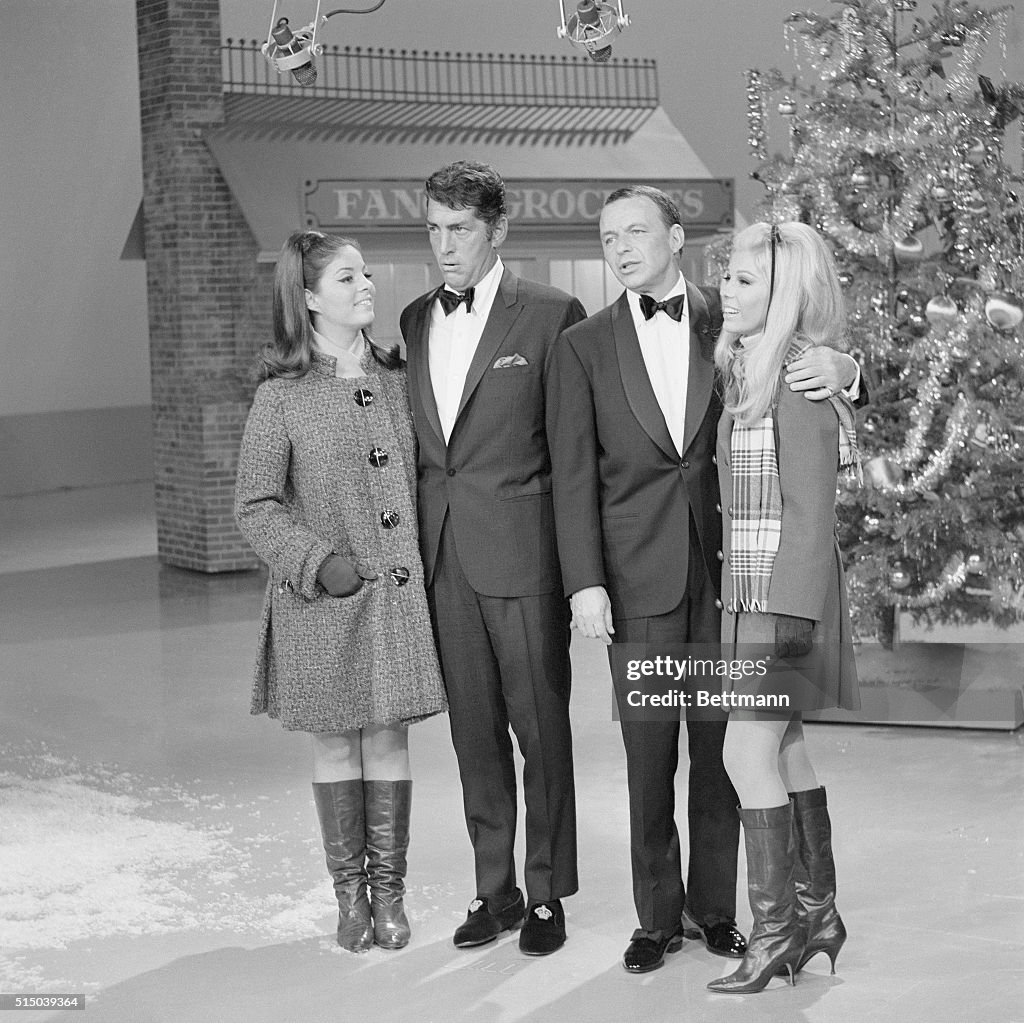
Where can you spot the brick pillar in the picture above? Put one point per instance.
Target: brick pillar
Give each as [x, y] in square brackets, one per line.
[200, 273]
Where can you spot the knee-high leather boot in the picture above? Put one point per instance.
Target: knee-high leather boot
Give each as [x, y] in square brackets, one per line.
[339, 804]
[388, 805]
[776, 940]
[814, 877]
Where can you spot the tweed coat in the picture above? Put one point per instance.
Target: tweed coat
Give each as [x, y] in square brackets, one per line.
[307, 487]
[807, 575]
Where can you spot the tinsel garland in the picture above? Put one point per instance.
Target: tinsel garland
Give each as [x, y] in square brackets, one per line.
[936, 467]
[923, 413]
[954, 575]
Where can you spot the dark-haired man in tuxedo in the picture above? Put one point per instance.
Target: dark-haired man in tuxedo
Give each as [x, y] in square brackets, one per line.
[632, 418]
[479, 349]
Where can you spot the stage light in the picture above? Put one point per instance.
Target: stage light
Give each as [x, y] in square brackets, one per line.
[295, 51]
[593, 24]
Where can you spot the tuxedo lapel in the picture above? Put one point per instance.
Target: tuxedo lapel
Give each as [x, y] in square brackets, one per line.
[419, 361]
[504, 310]
[635, 380]
[702, 367]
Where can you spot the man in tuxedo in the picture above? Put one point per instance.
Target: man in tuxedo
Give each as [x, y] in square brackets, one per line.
[479, 349]
[632, 419]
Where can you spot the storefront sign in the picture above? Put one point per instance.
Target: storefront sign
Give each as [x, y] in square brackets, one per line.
[344, 205]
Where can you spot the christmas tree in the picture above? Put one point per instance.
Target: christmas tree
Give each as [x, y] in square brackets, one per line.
[896, 153]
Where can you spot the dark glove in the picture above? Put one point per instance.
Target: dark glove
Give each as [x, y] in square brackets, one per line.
[792, 636]
[340, 578]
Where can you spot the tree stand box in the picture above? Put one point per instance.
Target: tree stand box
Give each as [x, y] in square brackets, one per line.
[938, 685]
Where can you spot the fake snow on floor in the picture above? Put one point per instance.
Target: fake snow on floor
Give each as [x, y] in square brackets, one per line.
[88, 852]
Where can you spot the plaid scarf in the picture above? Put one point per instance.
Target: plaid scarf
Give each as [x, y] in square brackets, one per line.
[757, 497]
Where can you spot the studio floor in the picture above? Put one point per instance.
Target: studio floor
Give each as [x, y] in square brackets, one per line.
[159, 852]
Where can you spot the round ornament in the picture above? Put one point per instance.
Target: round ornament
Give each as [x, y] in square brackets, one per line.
[872, 525]
[787, 106]
[976, 151]
[1003, 311]
[941, 310]
[975, 203]
[899, 576]
[909, 249]
[860, 178]
[882, 472]
[976, 564]
[940, 193]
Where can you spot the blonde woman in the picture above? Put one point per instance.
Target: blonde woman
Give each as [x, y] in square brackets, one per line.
[783, 585]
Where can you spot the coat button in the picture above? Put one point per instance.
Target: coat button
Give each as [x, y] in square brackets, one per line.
[684, 464]
[718, 604]
[718, 508]
[451, 472]
[720, 556]
[714, 459]
[730, 511]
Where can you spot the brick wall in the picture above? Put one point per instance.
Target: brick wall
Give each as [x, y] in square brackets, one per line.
[207, 315]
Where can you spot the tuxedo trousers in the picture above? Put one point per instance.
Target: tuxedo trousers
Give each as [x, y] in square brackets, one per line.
[505, 662]
[652, 756]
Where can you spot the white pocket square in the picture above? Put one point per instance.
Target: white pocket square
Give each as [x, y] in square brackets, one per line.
[508, 361]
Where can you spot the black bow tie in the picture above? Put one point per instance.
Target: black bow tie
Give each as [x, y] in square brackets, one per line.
[450, 299]
[673, 306]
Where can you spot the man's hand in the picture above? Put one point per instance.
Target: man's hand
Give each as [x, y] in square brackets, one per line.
[821, 371]
[592, 613]
[340, 578]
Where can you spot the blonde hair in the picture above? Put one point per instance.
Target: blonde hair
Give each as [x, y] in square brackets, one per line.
[805, 304]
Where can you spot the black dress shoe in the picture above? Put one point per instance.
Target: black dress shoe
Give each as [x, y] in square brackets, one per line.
[722, 939]
[544, 930]
[487, 918]
[646, 953]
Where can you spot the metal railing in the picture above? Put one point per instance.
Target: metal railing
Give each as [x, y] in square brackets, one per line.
[410, 76]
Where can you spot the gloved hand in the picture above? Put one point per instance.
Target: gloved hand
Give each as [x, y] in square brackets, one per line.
[792, 636]
[340, 578]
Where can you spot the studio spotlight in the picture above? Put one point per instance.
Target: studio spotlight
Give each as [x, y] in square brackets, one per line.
[294, 51]
[592, 26]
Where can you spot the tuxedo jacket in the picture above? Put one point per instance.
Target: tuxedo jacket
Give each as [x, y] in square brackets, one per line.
[493, 477]
[623, 496]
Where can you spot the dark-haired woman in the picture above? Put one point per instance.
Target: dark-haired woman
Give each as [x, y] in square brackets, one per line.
[326, 478]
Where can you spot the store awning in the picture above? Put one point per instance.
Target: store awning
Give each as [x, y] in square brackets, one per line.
[279, 177]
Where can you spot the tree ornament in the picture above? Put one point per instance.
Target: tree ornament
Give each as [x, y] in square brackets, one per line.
[975, 203]
[941, 310]
[940, 193]
[900, 576]
[787, 106]
[882, 473]
[909, 249]
[872, 525]
[976, 152]
[845, 278]
[976, 564]
[860, 178]
[1003, 311]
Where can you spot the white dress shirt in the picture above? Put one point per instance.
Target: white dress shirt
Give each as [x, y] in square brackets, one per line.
[452, 344]
[665, 346]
